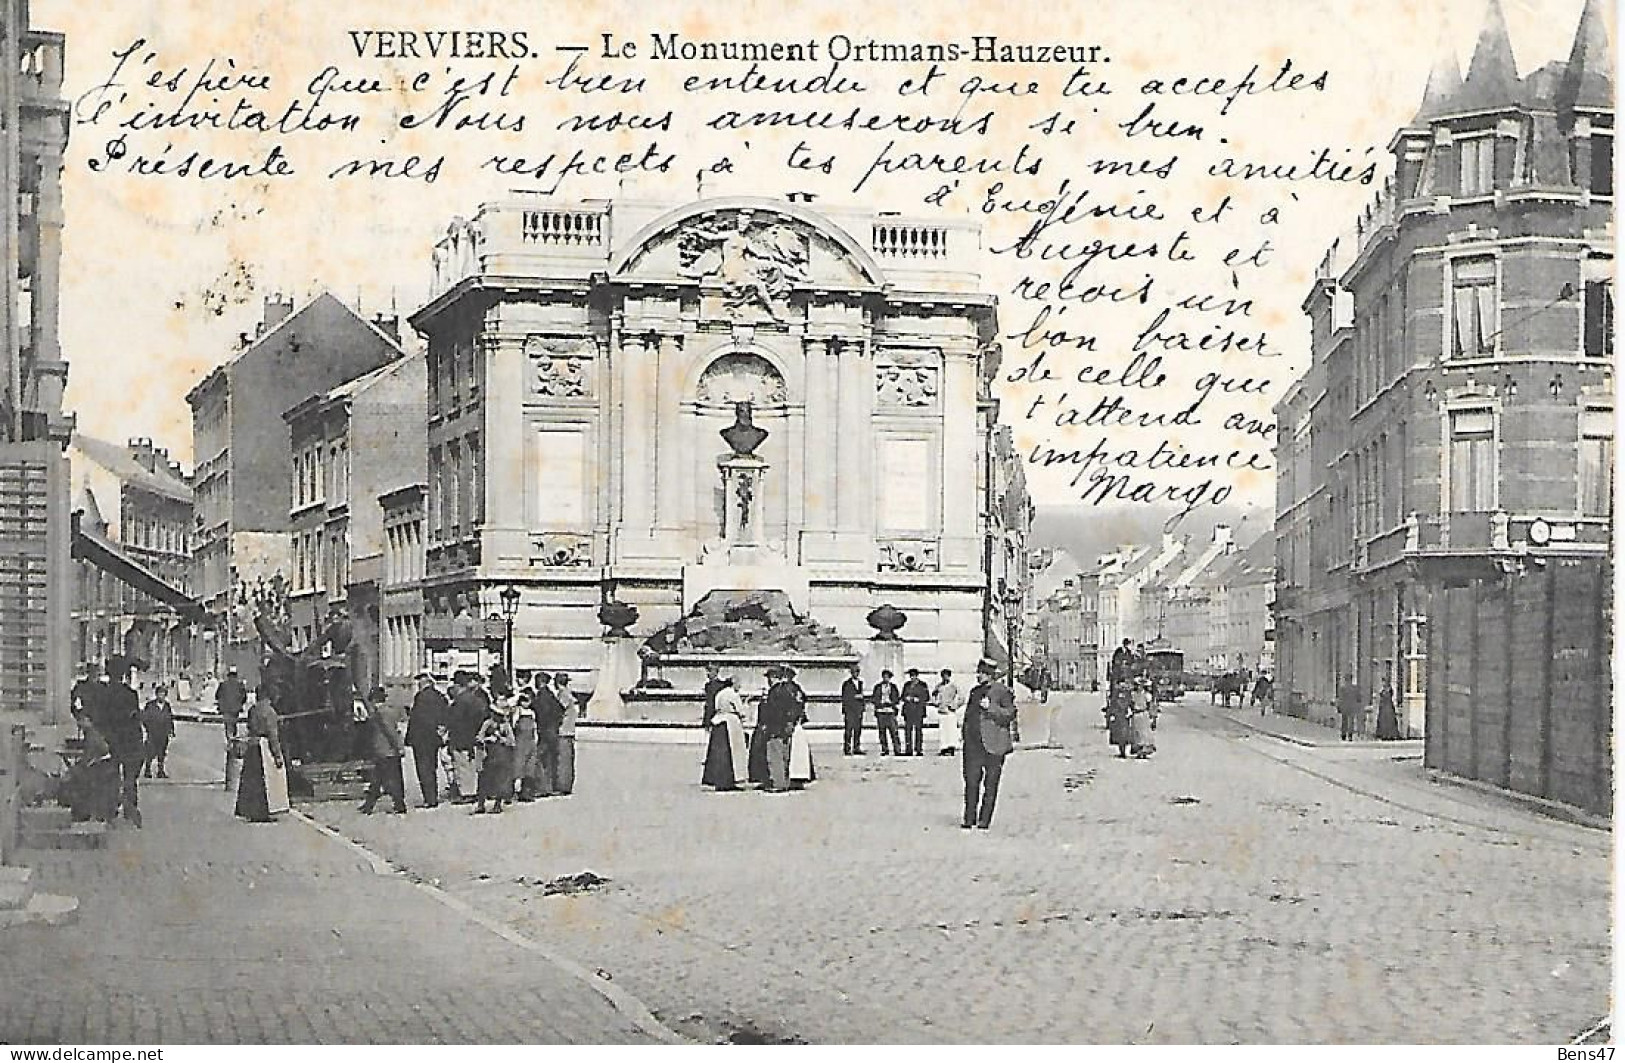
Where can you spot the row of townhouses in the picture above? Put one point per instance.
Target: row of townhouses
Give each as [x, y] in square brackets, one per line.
[1212, 603]
[1445, 489]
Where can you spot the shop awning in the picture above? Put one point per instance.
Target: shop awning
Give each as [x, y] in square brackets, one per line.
[107, 556]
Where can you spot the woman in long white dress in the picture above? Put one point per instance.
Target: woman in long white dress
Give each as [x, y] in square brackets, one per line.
[726, 756]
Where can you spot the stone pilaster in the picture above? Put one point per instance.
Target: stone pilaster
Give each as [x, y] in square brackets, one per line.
[506, 531]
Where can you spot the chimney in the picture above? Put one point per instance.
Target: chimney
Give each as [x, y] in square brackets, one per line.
[800, 197]
[389, 325]
[141, 450]
[277, 308]
[1221, 535]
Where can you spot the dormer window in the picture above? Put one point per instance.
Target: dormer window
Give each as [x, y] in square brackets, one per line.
[1478, 165]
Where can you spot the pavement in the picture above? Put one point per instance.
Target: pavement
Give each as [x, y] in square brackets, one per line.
[1234, 888]
[202, 929]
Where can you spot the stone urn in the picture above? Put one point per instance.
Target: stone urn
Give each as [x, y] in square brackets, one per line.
[743, 436]
[618, 617]
[887, 620]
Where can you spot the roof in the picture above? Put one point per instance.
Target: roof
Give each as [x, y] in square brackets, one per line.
[1062, 567]
[110, 558]
[1258, 559]
[117, 460]
[349, 389]
[1589, 82]
[280, 325]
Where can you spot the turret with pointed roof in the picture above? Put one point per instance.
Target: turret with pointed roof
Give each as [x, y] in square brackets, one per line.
[1588, 82]
[1492, 76]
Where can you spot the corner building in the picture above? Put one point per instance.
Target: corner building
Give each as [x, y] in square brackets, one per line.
[1445, 495]
[584, 356]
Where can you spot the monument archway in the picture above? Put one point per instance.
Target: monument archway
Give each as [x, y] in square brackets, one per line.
[734, 375]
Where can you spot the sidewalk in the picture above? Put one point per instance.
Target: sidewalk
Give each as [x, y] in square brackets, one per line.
[204, 929]
[1302, 732]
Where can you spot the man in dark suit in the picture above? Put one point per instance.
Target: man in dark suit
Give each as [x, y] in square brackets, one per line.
[852, 714]
[423, 724]
[989, 712]
[887, 699]
[230, 697]
[116, 715]
[550, 711]
[916, 695]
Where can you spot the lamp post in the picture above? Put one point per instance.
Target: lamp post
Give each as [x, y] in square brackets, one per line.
[510, 609]
[1012, 620]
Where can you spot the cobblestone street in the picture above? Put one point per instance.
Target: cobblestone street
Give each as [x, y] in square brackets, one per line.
[1233, 888]
[202, 929]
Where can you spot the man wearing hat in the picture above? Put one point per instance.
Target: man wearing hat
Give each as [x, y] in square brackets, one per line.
[230, 697]
[852, 714]
[423, 724]
[384, 747]
[783, 709]
[916, 695]
[989, 711]
[886, 699]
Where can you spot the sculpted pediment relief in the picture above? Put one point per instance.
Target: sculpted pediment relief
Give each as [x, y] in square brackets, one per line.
[755, 257]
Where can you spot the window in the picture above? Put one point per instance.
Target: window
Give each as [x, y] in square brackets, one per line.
[1599, 319]
[1472, 307]
[1596, 462]
[1478, 166]
[1472, 461]
[1602, 165]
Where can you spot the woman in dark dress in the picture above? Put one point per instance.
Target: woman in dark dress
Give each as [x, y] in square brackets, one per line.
[1118, 717]
[262, 770]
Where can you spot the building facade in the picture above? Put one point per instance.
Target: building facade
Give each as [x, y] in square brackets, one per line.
[1069, 626]
[584, 357]
[351, 445]
[1446, 464]
[402, 638]
[137, 503]
[242, 480]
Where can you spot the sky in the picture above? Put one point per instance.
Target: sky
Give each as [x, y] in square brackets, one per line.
[161, 274]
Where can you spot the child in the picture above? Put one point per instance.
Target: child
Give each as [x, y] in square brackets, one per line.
[496, 773]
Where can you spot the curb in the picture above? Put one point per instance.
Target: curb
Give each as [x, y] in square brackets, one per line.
[1396, 744]
[1544, 806]
[623, 1002]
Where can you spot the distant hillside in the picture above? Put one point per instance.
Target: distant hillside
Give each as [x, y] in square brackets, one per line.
[1086, 532]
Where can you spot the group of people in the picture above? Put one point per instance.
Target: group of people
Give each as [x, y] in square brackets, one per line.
[913, 701]
[1131, 702]
[496, 743]
[1351, 709]
[776, 756]
[768, 747]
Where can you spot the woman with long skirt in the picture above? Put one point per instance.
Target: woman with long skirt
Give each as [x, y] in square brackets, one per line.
[496, 770]
[1140, 721]
[726, 759]
[262, 785]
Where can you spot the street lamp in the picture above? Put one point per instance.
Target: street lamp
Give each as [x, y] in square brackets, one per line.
[510, 609]
[1012, 620]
